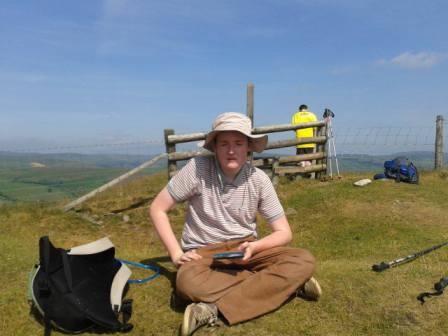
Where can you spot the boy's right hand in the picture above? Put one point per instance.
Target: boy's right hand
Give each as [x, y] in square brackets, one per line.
[186, 257]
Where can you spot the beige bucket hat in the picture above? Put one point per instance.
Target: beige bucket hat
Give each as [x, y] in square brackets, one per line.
[234, 121]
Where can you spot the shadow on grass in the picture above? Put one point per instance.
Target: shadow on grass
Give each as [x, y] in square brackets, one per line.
[177, 303]
[36, 314]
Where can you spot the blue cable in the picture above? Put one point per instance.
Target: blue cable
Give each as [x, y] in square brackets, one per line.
[156, 269]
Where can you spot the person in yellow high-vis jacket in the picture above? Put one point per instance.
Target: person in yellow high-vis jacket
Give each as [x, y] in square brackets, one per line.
[303, 116]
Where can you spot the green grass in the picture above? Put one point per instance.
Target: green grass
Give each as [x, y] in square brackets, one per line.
[48, 184]
[347, 228]
[52, 184]
[61, 176]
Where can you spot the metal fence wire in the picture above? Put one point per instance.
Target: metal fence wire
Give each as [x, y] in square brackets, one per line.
[65, 172]
[384, 139]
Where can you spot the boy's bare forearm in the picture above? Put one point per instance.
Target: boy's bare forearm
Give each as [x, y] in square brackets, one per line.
[166, 235]
[159, 216]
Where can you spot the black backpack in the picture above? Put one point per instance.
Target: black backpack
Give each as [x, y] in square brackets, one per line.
[402, 170]
[81, 288]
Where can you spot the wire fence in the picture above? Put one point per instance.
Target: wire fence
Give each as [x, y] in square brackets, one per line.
[143, 146]
[55, 173]
[384, 140]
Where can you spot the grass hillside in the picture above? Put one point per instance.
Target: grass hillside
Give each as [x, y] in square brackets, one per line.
[347, 228]
[33, 177]
[71, 160]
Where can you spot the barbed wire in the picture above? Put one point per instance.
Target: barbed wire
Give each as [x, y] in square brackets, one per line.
[385, 136]
[359, 136]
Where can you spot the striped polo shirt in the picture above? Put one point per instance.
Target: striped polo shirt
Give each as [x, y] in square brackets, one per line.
[218, 210]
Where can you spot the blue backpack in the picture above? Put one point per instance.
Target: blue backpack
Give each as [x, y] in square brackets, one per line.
[402, 170]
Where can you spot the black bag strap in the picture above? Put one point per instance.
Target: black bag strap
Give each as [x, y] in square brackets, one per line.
[126, 312]
[439, 288]
[44, 260]
[67, 270]
[421, 297]
[47, 326]
[44, 253]
[43, 286]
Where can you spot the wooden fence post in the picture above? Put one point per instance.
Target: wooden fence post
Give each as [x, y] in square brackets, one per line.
[250, 102]
[274, 176]
[438, 160]
[321, 148]
[250, 109]
[170, 148]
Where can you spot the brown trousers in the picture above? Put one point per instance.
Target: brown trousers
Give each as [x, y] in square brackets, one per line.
[243, 290]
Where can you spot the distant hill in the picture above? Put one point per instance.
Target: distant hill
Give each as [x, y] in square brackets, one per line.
[347, 162]
[73, 160]
[50, 177]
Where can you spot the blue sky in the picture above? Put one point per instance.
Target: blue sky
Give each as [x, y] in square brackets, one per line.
[95, 72]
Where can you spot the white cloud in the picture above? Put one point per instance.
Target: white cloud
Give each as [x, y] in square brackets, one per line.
[418, 60]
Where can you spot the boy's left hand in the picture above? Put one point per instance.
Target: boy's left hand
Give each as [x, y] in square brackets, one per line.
[249, 249]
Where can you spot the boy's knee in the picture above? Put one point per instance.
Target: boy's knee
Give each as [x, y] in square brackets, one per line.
[189, 284]
[301, 263]
[182, 281]
[306, 257]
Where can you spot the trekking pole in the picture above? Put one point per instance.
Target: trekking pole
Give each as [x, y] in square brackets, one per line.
[328, 116]
[393, 263]
[438, 286]
[332, 143]
[334, 148]
[329, 150]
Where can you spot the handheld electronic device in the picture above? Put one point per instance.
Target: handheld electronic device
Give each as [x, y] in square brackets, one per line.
[229, 255]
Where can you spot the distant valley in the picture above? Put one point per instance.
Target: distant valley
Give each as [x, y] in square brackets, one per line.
[51, 177]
